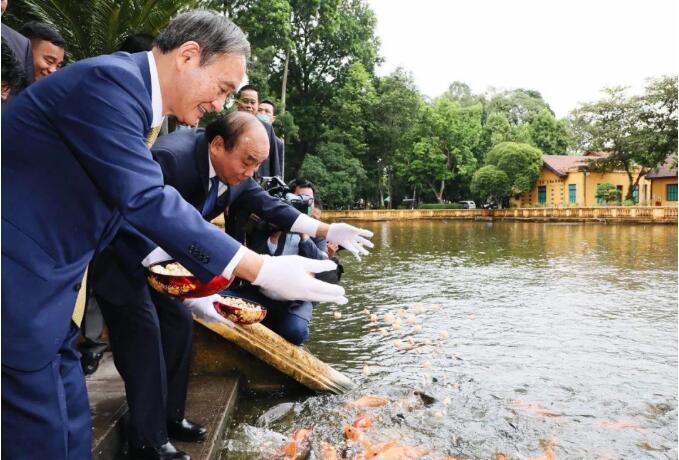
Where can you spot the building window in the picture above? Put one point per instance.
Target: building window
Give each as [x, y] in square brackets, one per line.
[635, 194]
[671, 192]
[542, 194]
[571, 193]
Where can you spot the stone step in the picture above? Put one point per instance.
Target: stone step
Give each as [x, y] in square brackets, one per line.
[211, 400]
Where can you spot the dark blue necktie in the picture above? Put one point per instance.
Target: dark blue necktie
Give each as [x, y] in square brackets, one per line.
[211, 196]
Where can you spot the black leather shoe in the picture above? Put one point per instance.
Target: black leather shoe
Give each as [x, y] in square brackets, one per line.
[183, 430]
[165, 452]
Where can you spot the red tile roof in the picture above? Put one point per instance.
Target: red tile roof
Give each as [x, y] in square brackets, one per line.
[664, 170]
[560, 164]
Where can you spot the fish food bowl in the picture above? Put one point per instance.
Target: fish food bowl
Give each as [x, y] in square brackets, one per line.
[171, 278]
[240, 311]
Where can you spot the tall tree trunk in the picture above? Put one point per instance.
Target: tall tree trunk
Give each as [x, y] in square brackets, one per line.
[630, 189]
[438, 193]
[284, 86]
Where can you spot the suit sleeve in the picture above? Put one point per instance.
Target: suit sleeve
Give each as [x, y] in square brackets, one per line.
[309, 249]
[256, 200]
[106, 120]
[274, 152]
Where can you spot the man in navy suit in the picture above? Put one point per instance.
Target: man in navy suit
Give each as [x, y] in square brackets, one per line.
[75, 164]
[151, 334]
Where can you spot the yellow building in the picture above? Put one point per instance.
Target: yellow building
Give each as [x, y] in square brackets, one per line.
[662, 187]
[567, 181]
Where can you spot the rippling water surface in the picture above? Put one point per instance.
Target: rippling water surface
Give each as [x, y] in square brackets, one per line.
[524, 333]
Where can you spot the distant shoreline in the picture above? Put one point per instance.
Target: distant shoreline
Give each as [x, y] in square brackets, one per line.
[616, 214]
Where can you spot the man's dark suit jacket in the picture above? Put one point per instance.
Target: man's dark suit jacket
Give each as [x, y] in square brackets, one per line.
[183, 159]
[273, 165]
[75, 165]
[21, 47]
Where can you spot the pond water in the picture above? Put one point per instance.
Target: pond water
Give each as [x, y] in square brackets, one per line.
[535, 340]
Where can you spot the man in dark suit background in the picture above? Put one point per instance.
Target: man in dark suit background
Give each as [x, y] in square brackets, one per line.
[75, 165]
[21, 47]
[248, 101]
[266, 112]
[151, 334]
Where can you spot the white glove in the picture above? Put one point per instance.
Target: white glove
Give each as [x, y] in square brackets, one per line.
[350, 238]
[287, 277]
[203, 309]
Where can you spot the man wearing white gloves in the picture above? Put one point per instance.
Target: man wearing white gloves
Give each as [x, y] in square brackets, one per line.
[151, 334]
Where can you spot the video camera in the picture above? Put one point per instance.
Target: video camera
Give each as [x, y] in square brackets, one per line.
[278, 189]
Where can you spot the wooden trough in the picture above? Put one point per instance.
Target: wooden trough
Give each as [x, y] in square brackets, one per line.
[275, 356]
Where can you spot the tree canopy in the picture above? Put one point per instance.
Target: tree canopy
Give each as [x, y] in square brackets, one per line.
[360, 136]
[521, 163]
[638, 132]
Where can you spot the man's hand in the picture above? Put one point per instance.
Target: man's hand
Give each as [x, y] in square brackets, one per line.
[287, 277]
[350, 238]
[332, 249]
[203, 309]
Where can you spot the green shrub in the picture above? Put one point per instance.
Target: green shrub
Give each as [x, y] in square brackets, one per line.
[440, 206]
[607, 193]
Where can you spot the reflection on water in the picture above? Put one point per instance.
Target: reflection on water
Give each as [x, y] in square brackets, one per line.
[523, 333]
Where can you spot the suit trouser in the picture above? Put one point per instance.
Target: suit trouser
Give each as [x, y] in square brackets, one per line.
[151, 343]
[46, 413]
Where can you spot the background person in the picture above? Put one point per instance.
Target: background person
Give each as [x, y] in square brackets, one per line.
[247, 100]
[266, 111]
[12, 72]
[289, 319]
[21, 47]
[47, 47]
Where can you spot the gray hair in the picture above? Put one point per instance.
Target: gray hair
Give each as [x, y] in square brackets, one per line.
[215, 34]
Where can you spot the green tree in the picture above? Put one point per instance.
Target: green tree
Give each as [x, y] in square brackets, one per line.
[336, 174]
[461, 93]
[496, 130]
[391, 115]
[639, 132]
[94, 27]
[490, 184]
[440, 146]
[521, 163]
[519, 105]
[315, 45]
[550, 135]
[608, 193]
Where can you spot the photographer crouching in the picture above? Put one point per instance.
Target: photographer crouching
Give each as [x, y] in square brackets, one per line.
[289, 319]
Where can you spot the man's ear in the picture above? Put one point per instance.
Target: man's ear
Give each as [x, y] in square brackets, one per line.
[188, 52]
[217, 144]
[5, 90]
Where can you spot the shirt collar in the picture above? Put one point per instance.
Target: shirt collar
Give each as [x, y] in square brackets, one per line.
[156, 96]
[213, 173]
[222, 187]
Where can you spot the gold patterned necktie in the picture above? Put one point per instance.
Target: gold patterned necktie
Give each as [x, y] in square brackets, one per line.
[81, 300]
[152, 136]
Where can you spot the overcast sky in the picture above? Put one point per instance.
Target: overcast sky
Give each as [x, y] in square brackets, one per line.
[566, 49]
